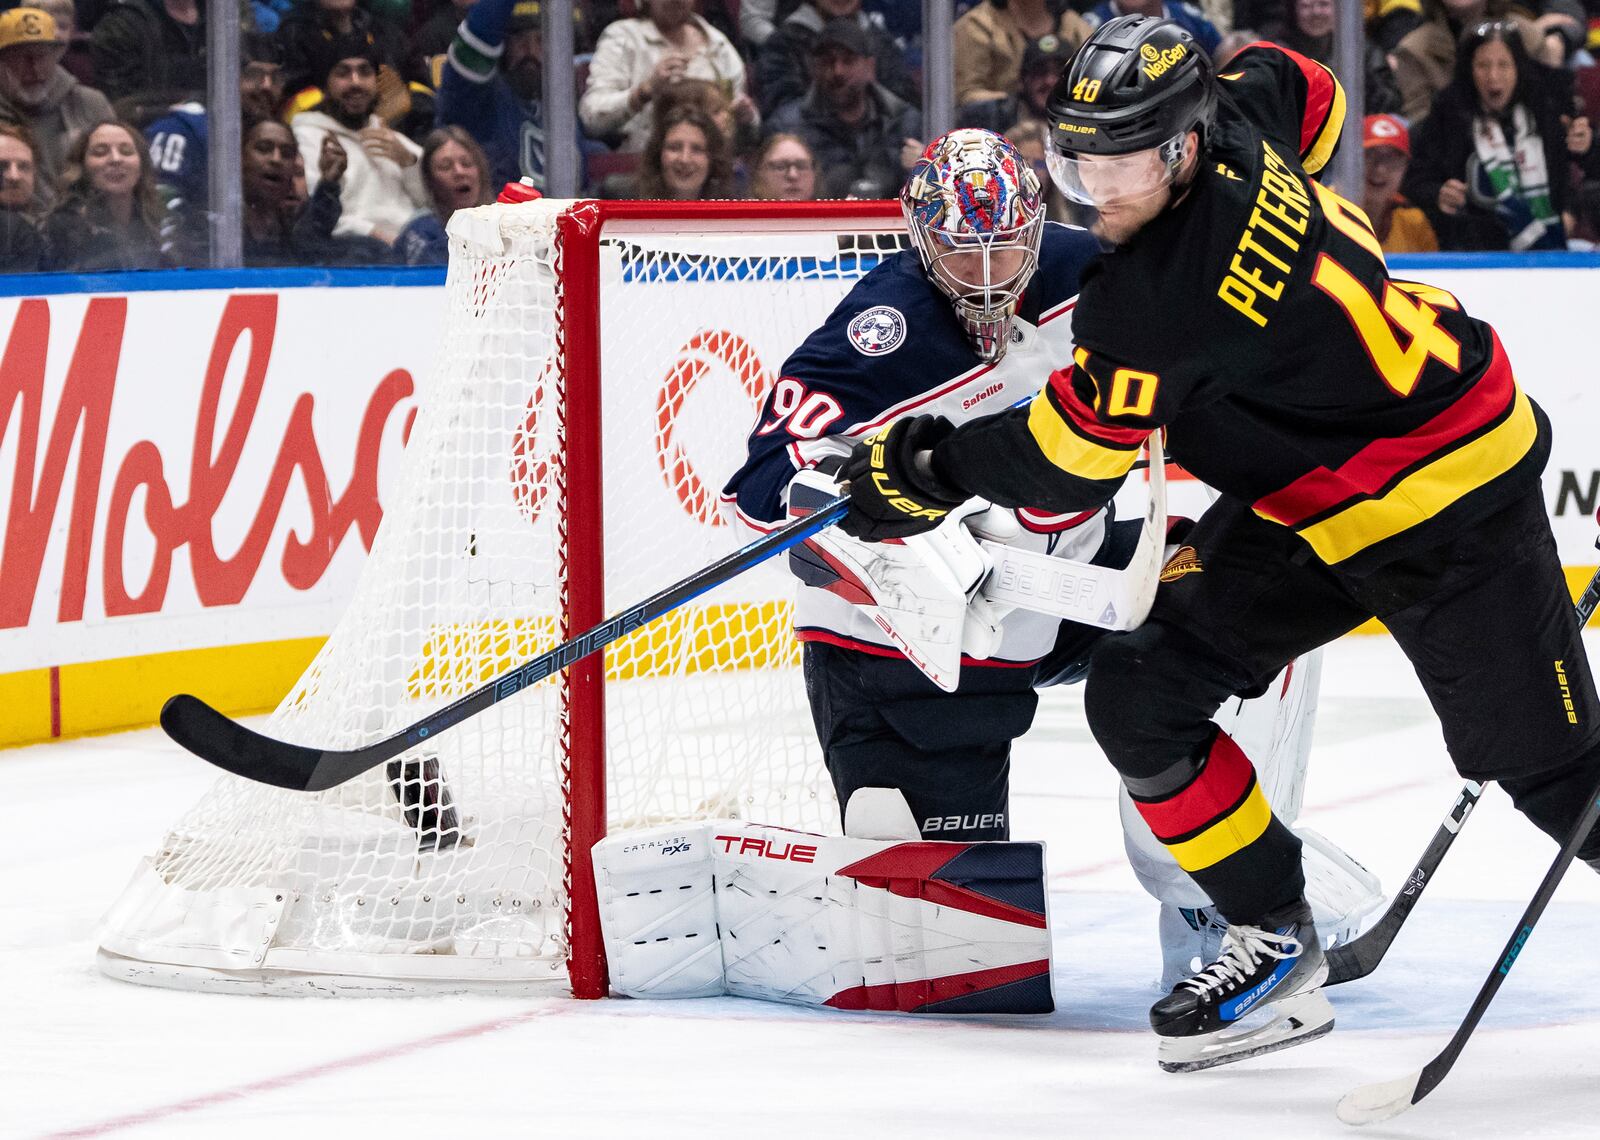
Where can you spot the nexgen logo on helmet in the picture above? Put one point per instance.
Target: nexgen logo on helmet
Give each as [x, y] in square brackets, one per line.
[1157, 61]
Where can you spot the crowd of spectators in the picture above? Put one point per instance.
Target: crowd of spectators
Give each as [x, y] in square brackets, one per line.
[367, 123]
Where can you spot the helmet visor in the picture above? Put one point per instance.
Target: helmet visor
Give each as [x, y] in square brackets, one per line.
[1113, 180]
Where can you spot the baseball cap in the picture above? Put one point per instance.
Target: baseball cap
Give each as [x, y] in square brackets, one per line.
[842, 32]
[1386, 130]
[524, 17]
[28, 26]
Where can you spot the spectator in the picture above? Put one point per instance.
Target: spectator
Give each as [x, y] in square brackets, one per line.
[283, 225]
[1493, 163]
[1424, 60]
[992, 39]
[492, 86]
[1042, 61]
[781, 67]
[685, 159]
[180, 152]
[785, 170]
[150, 54]
[37, 93]
[1310, 32]
[457, 175]
[864, 136]
[1187, 16]
[1400, 226]
[108, 215]
[744, 137]
[758, 19]
[636, 59]
[20, 244]
[1583, 222]
[314, 24]
[382, 186]
[75, 57]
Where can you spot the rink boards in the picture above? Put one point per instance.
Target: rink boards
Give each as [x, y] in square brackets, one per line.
[198, 460]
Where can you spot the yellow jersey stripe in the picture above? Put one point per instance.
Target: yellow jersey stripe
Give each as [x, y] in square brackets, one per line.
[1071, 452]
[1327, 138]
[1426, 491]
[1242, 827]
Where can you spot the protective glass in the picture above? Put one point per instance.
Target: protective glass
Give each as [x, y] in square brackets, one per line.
[1116, 179]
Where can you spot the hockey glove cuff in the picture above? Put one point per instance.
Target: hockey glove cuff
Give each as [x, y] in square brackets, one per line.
[892, 494]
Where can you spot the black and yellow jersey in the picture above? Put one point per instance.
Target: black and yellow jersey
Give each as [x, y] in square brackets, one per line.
[1257, 322]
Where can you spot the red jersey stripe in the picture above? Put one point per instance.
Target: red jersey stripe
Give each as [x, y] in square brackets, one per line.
[1370, 469]
[1081, 417]
[1220, 788]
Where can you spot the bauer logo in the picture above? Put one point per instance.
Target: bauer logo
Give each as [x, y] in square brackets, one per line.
[878, 331]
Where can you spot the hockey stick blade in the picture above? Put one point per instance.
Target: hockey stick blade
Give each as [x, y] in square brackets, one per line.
[1361, 955]
[1382, 1100]
[229, 745]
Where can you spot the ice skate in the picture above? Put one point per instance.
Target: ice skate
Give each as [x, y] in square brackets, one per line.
[1262, 994]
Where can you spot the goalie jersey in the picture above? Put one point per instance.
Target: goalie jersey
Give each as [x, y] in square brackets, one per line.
[1256, 320]
[892, 348]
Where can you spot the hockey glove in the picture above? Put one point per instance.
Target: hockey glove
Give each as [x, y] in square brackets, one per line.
[892, 495]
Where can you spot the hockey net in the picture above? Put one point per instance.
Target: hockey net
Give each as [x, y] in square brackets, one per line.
[601, 365]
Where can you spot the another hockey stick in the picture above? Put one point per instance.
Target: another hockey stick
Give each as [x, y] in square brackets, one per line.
[231, 746]
[1372, 1103]
[1360, 956]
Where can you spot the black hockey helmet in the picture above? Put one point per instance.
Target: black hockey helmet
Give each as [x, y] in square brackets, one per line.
[1136, 83]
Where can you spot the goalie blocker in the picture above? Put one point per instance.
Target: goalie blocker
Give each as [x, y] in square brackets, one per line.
[726, 907]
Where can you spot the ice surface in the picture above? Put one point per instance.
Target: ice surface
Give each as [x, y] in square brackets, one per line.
[81, 1055]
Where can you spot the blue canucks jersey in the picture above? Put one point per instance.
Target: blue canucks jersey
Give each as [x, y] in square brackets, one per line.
[894, 347]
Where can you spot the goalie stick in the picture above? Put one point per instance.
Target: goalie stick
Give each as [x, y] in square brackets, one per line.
[222, 741]
[1360, 956]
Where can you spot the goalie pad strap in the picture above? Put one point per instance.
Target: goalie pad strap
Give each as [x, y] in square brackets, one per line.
[725, 907]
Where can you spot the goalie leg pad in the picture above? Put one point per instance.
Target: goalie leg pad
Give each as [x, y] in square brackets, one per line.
[727, 907]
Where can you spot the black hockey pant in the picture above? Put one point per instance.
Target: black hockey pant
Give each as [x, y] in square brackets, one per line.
[1485, 620]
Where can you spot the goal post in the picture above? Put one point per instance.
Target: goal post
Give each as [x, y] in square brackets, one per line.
[602, 363]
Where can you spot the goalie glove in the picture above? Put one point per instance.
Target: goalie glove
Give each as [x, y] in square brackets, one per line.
[921, 591]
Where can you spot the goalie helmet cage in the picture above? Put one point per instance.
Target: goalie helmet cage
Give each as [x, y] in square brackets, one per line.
[601, 364]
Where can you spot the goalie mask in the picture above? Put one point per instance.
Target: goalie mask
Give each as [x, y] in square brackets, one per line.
[976, 216]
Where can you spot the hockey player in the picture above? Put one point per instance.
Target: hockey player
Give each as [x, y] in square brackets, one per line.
[1375, 457]
[959, 326]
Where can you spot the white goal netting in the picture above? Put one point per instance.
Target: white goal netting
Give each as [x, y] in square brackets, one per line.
[449, 867]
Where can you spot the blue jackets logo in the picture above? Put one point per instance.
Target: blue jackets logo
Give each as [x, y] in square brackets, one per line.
[878, 331]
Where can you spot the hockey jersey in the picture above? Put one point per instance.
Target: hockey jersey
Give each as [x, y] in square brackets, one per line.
[892, 348]
[1256, 320]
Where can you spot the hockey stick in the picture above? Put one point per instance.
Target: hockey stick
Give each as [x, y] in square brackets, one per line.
[231, 746]
[1361, 955]
[1372, 1103]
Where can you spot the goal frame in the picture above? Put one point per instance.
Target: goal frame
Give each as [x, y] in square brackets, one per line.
[581, 507]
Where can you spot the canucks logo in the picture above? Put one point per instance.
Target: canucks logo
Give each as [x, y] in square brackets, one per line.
[878, 331]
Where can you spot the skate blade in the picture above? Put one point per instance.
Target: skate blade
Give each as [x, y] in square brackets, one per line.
[1298, 1019]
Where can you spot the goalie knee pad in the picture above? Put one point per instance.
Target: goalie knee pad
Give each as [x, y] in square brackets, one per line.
[725, 907]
